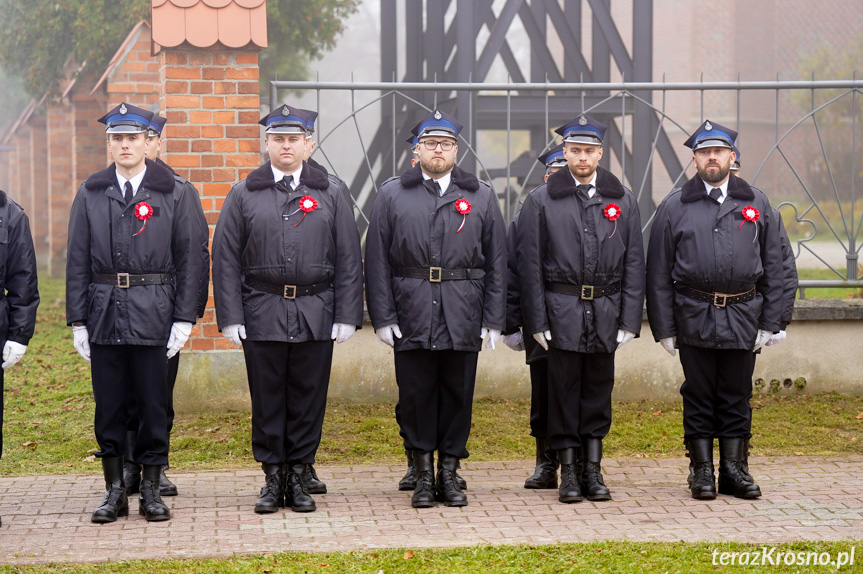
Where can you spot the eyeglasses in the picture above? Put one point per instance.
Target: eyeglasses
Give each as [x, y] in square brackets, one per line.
[431, 145]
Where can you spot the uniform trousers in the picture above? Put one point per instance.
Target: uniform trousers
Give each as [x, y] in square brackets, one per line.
[131, 373]
[436, 399]
[716, 392]
[579, 396]
[288, 383]
[173, 367]
[539, 398]
[2, 402]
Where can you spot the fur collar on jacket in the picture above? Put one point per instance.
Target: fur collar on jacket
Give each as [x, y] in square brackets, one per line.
[693, 190]
[414, 176]
[2, 198]
[561, 184]
[262, 178]
[156, 178]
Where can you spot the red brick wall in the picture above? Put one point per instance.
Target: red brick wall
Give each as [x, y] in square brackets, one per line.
[212, 138]
[136, 78]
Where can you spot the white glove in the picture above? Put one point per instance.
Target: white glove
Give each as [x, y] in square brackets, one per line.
[81, 340]
[342, 332]
[668, 344]
[761, 339]
[774, 339]
[543, 339]
[12, 353]
[623, 337]
[234, 333]
[492, 334]
[386, 334]
[514, 341]
[180, 331]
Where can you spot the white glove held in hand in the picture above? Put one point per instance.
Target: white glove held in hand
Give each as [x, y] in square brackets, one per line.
[81, 340]
[623, 337]
[12, 353]
[235, 334]
[386, 334]
[774, 339]
[342, 332]
[492, 334]
[761, 339]
[179, 335]
[514, 341]
[668, 344]
[543, 339]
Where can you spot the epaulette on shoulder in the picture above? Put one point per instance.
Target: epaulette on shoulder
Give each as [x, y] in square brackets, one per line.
[393, 178]
[180, 179]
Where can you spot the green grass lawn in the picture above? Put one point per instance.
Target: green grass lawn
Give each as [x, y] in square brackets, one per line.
[827, 292]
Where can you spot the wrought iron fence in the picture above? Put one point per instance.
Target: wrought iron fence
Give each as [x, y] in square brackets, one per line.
[804, 135]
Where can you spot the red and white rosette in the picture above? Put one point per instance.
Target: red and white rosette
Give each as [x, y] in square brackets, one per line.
[750, 213]
[463, 207]
[307, 205]
[612, 213]
[143, 211]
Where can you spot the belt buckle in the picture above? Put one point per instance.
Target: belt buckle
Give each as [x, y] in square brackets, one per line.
[717, 297]
[435, 274]
[123, 280]
[587, 292]
[290, 292]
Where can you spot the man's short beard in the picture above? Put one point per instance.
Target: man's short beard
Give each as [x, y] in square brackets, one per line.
[430, 169]
[720, 175]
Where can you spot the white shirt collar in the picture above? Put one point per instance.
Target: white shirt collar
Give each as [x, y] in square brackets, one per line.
[135, 181]
[592, 184]
[443, 181]
[278, 175]
[708, 187]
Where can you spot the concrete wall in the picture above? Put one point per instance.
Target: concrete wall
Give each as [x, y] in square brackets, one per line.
[822, 350]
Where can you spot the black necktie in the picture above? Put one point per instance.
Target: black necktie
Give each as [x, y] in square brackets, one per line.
[287, 181]
[127, 194]
[715, 194]
[433, 186]
[584, 189]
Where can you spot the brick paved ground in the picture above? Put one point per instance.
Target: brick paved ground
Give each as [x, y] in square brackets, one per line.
[805, 499]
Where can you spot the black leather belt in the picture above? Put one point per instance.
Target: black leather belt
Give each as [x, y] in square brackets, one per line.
[288, 291]
[586, 292]
[716, 299]
[438, 274]
[126, 280]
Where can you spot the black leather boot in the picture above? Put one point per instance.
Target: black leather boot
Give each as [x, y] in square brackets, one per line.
[166, 487]
[273, 492]
[115, 503]
[701, 481]
[734, 477]
[459, 480]
[131, 470]
[447, 489]
[423, 496]
[592, 483]
[569, 490]
[409, 480]
[150, 504]
[314, 484]
[296, 492]
[545, 474]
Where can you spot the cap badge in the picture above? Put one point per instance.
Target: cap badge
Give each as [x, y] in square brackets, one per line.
[707, 126]
[123, 109]
[437, 115]
[582, 121]
[286, 111]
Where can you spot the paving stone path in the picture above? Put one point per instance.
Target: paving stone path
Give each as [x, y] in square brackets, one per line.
[47, 518]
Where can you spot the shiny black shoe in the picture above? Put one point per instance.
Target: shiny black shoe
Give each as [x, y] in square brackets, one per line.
[166, 487]
[702, 482]
[150, 504]
[734, 477]
[296, 492]
[115, 503]
[545, 473]
[447, 489]
[409, 480]
[313, 483]
[272, 496]
[424, 492]
[569, 490]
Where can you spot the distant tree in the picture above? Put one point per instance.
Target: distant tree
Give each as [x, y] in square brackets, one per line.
[40, 36]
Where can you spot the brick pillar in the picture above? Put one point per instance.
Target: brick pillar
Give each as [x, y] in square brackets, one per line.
[210, 97]
[61, 187]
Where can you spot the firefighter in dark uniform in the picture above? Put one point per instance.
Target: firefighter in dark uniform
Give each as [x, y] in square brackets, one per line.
[714, 291]
[132, 470]
[545, 473]
[581, 265]
[19, 293]
[287, 281]
[132, 276]
[435, 289]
